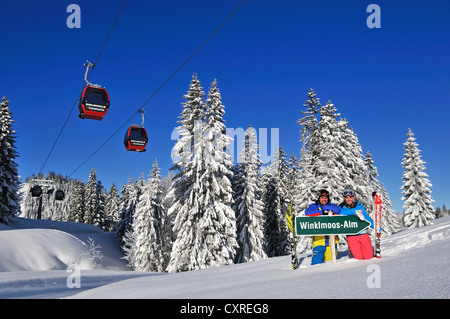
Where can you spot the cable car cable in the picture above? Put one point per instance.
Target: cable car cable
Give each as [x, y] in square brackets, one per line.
[81, 91]
[159, 89]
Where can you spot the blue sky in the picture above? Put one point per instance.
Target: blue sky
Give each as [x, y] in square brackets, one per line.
[265, 58]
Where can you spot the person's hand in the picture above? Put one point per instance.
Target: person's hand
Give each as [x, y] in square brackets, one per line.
[360, 215]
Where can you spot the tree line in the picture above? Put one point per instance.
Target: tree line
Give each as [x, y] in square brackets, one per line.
[210, 211]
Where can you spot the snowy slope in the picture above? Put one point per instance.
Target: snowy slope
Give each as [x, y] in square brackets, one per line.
[415, 263]
[30, 244]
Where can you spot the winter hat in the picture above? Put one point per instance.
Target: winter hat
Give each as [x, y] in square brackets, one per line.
[324, 192]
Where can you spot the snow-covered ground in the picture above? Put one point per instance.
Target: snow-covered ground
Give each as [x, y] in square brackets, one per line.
[37, 258]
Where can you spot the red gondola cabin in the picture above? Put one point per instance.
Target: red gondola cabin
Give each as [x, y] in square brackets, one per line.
[94, 103]
[135, 139]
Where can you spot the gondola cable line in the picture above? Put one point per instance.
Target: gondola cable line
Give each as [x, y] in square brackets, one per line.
[83, 88]
[140, 108]
[159, 89]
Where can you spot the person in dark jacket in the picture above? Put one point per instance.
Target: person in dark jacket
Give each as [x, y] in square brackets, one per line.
[321, 244]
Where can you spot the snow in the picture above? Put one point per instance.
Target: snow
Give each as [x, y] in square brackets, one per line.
[36, 256]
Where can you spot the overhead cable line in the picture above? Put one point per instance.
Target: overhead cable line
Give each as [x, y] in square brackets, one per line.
[159, 89]
[79, 94]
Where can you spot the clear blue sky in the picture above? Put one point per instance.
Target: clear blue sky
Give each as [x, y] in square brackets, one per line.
[265, 58]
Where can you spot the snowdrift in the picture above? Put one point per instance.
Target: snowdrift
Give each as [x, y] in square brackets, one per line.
[34, 245]
[414, 264]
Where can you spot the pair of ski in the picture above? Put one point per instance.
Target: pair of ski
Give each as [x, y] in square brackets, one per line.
[377, 202]
[290, 222]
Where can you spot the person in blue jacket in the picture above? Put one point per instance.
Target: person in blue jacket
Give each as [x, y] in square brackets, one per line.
[359, 245]
[321, 244]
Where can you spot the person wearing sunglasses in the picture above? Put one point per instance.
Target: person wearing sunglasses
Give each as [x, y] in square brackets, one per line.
[321, 244]
[359, 245]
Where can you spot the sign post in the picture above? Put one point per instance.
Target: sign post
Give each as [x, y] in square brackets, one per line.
[332, 244]
[329, 225]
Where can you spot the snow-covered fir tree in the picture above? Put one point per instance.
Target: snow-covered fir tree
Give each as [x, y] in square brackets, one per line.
[305, 191]
[169, 221]
[130, 197]
[275, 227]
[389, 219]
[100, 219]
[94, 206]
[182, 153]
[215, 184]
[355, 166]
[181, 189]
[247, 202]
[293, 174]
[441, 212]
[306, 184]
[416, 186]
[9, 178]
[372, 172]
[309, 122]
[76, 203]
[204, 226]
[112, 208]
[329, 169]
[144, 241]
[190, 122]
[91, 201]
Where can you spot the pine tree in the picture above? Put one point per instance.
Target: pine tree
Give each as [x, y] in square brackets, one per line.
[389, 220]
[190, 126]
[309, 122]
[76, 202]
[215, 184]
[416, 187]
[130, 197]
[99, 219]
[304, 192]
[329, 169]
[293, 175]
[248, 205]
[305, 188]
[144, 241]
[9, 179]
[94, 201]
[355, 166]
[205, 224]
[112, 208]
[181, 190]
[372, 172]
[182, 153]
[445, 212]
[90, 197]
[275, 227]
[438, 213]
